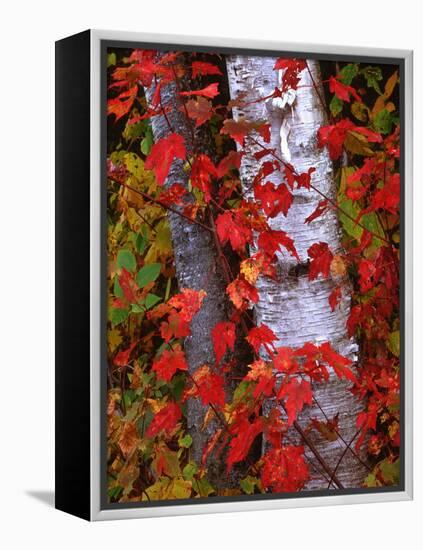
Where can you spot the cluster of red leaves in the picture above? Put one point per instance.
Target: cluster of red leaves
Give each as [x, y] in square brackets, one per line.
[284, 374]
[373, 188]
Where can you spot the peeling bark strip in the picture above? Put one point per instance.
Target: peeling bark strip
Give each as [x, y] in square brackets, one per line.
[296, 309]
[197, 267]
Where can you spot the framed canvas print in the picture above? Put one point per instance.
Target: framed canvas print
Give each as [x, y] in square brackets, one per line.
[233, 275]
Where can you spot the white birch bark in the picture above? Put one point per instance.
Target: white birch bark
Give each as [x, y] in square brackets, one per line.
[296, 309]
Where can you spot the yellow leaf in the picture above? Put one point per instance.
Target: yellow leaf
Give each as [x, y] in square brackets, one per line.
[357, 144]
[162, 244]
[114, 339]
[360, 111]
[135, 166]
[250, 270]
[390, 85]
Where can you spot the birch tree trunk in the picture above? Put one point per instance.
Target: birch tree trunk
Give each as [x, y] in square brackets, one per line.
[296, 309]
[197, 267]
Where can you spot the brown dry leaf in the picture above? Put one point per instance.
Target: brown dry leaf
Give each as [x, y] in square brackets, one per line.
[129, 438]
[337, 266]
[128, 475]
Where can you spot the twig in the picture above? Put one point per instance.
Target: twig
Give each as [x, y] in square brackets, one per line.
[330, 201]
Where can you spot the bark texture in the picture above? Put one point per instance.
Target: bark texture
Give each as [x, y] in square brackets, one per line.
[197, 267]
[296, 309]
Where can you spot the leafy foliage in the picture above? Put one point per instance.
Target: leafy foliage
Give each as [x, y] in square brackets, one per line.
[149, 380]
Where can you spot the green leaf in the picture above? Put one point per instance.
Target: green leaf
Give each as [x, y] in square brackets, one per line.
[350, 209]
[118, 315]
[248, 484]
[390, 471]
[190, 470]
[148, 274]
[168, 286]
[202, 487]
[371, 481]
[151, 300]
[111, 59]
[147, 143]
[185, 441]
[126, 259]
[394, 343]
[347, 73]
[137, 308]
[141, 241]
[179, 488]
[133, 131]
[242, 392]
[373, 76]
[383, 122]
[114, 492]
[336, 105]
[177, 386]
[369, 221]
[117, 291]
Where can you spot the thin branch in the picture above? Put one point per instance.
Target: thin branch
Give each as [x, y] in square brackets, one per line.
[165, 206]
[330, 201]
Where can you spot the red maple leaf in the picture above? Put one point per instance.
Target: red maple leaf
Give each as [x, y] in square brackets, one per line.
[128, 285]
[335, 297]
[239, 446]
[211, 91]
[173, 195]
[174, 327]
[122, 104]
[292, 69]
[230, 229]
[228, 163]
[261, 373]
[333, 136]
[203, 68]
[274, 199]
[199, 109]
[366, 420]
[242, 293]
[285, 360]
[388, 197]
[284, 470]
[122, 358]
[320, 209]
[271, 240]
[261, 336]
[208, 386]
[239, 129]
[342, 91]
[296, 395]
[165, 420]
[169, 363]
[223, 337]
[202, 171]
[302, 180]
[188, 302]
[339, 363]
[320, 260]
[162, 155]
[368, 274]
[370, 135]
